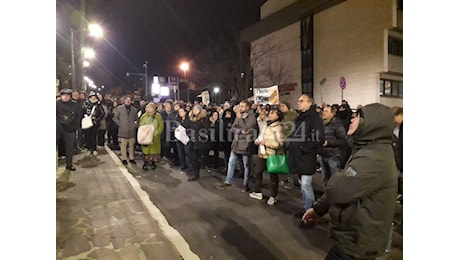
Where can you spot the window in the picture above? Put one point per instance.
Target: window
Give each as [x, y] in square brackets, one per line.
[395, 46]
[391, 88]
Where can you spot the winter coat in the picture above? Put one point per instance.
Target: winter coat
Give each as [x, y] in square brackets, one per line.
[214, 132]
[288, 122]
[103, 122]
[97, 115]
[198, 130]
[244, 143]
[158, 126]
[169, 125]
[336, 138]
[361, 198]
[68, 116]
[305, 140]
[274, 136]
[227, 138]
[398, 148]
[127, 123]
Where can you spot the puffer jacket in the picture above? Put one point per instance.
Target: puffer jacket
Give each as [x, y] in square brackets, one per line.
[274, 136]
[361, 199]
[336, 138]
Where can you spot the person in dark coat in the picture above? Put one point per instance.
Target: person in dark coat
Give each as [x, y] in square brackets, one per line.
[307, 137]
[225, 143]
[198, 128]
[215, 125]
[361, 199]
[335, 138]
[68, 117]
[183, 150]
[344, 113]
[93, 108]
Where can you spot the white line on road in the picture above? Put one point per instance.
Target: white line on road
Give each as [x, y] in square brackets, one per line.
[172, 234]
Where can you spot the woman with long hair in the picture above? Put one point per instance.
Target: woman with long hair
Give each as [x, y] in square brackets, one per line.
[152, 152]
[198, 128]
[270, 142]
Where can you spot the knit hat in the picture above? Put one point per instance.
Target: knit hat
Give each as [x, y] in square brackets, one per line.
[65, 91]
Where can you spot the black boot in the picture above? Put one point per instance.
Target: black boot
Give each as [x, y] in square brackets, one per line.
[144, 166]
[153, 165]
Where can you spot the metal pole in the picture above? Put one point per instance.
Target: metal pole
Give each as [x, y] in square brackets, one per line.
[82, 42]
[185, 76]
[74, 76]
[146, 79]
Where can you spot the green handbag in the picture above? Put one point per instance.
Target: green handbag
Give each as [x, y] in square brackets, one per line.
[277, 164]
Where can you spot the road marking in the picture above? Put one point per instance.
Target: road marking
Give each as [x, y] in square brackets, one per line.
[171, 233]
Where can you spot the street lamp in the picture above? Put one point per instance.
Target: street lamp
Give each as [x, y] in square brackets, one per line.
[185, 67]
[94, 31]
[216, 92]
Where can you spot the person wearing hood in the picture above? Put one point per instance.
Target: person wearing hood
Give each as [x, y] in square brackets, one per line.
[361, 198]
[307, 137]
[93, 107]
[198, 129]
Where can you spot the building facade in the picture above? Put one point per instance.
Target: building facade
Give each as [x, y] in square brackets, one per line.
[332, 50]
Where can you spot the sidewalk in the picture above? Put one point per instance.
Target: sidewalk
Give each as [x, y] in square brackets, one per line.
[106, 216]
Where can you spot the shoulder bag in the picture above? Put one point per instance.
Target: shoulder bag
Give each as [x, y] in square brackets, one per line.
[87, 120]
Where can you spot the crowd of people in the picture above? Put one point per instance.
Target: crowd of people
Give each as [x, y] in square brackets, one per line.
[359, 152]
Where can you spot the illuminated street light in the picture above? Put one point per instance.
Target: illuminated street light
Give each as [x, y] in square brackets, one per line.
[85, 63]
[184, 66]
[95, 30]
[88, 53]
[216, 90]
[92, 30]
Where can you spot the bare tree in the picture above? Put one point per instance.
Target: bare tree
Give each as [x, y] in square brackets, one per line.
[270, 69]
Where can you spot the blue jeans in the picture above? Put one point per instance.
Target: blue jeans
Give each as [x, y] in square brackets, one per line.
[308, 196]
[184, 152]
[329, 167]
[231, 168]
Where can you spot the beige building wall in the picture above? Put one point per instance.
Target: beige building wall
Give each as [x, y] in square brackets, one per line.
[349, 41]
[276, 60]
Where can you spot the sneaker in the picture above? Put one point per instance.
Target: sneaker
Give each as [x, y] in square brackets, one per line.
[124, 162]
[256, 195]
[224, 186]
[271, 201]
[94, 153]
[89, 153]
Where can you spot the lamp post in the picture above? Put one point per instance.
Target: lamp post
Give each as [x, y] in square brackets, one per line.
[146, 78]
[185, 66]
[216, 92]
[94, 31]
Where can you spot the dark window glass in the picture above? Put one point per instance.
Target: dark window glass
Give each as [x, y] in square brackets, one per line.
[395, 46]
[391, 88]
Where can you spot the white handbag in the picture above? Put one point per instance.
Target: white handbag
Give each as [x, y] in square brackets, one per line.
[145, 134]
[87, 121]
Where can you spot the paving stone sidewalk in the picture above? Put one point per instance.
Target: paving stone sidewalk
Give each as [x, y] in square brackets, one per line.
[100, 216]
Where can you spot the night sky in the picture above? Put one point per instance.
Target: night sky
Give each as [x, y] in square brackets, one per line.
[163, 32]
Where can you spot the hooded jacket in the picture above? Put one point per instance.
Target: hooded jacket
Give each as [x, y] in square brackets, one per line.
[361, 199]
